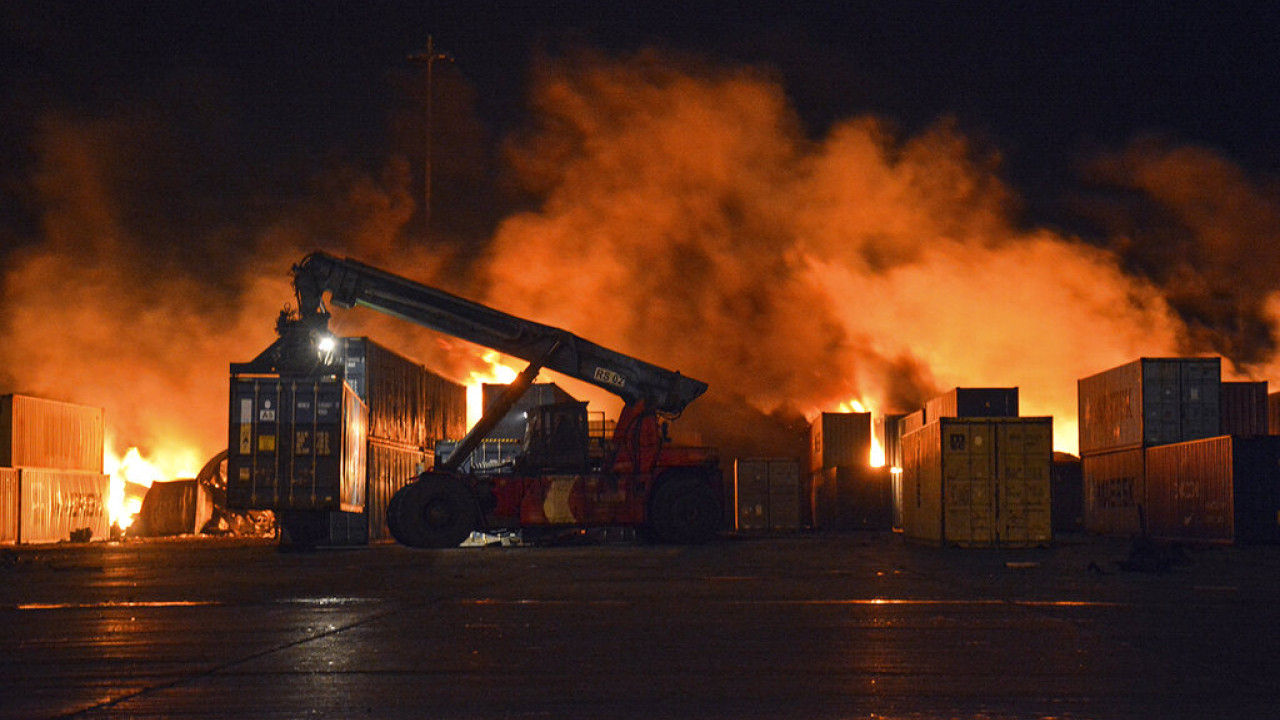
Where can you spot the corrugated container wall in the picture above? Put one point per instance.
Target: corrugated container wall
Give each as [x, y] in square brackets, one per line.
[888, 430]
[979, 482]
[408, 404]
[55, 503]
[9, 507]
[973, 402]
[1273, 413]
[1115, 492]
[1150, 401]
[390, 468]
[911, 422]
[767, 494]
[837, 439]
[35, 432]
[296, 444]
[1243, 408]
[1223, 489]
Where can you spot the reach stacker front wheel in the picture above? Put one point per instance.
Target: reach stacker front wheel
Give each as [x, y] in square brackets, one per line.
[435, 512]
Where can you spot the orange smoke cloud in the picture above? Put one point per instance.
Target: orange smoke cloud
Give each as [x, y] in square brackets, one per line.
[685, 218]
[686, 221]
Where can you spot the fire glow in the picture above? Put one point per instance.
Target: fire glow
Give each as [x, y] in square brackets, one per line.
[131, 475]
[877, 446]
[495, 373]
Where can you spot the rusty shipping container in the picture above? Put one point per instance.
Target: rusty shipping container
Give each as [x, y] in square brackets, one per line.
[1243, 408]
[174, 507]
[853, 498]
[1150, 401]
[973, 402]
[35, 432]
[296, 444]
[9, 505]
[840, 439]
[1220, 490]
[979, 482]
[1115, 492]
[767, 494]
[44, 505]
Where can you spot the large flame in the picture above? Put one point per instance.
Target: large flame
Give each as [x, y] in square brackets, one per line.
[131, 475]
[495, 371]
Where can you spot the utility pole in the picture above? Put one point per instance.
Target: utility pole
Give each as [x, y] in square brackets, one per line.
[428, 56]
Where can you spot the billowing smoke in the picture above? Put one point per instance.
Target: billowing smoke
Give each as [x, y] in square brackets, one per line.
[681, 215]
[687, 220]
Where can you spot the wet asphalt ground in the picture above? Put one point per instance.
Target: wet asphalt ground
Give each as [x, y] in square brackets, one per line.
[801, 626]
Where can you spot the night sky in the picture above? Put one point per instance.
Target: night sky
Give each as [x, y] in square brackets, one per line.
[247, 95]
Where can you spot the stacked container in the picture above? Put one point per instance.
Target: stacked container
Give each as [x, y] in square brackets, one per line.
[974, 474]
[1127, 409]
[767, 494]
[382, 417]
[845, 492]
[1220, 490]
[51, 471]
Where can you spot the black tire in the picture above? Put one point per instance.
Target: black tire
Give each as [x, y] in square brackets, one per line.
[393, 519]
[684, 511]
[436, 512]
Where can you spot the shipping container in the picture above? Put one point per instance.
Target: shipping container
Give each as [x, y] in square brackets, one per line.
[888, 432]
[1067, 490]
[979, 482]
[512, 426]
[1222, 490]
[9, 505]
[175, 507]
[840, 439]
[767, 494]
[408, 404]
[391, 467]
[1115, 492]
[1273, 413]
[35, 432]
[1150, 401]
[911, 422]
[1243, 408]
[853, 498]
[973, 402]
[54, 504]
[296, 444]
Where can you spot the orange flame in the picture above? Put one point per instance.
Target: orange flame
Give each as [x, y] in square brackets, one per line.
[131, 474]
[495, 372]
[877, 447]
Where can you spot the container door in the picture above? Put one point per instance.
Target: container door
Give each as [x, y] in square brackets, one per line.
[968, 483]
[1024, 464]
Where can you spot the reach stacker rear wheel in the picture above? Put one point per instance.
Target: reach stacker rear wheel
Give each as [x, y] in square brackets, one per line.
[433, 512]
[684, 510]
